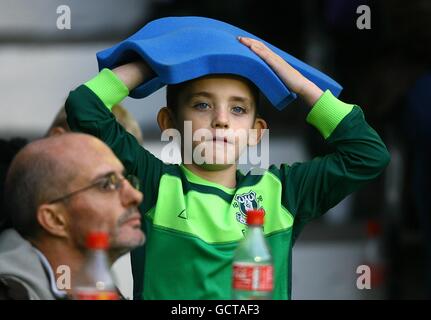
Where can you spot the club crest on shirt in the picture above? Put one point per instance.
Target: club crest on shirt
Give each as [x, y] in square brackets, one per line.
[244, 202]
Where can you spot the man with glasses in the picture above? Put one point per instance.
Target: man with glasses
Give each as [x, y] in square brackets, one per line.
[57, 190]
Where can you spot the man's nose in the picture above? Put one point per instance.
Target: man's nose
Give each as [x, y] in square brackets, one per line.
[220, 118]
[130, 195]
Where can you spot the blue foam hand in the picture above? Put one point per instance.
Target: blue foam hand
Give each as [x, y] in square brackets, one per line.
[183, 48]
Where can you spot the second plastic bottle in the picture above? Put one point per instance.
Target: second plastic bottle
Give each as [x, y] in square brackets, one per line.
[252, 265]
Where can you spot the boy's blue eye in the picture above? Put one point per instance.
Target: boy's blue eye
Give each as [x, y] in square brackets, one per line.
[201, 106]
[238, 109]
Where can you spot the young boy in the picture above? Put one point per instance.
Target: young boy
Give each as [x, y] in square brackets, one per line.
[192, 211]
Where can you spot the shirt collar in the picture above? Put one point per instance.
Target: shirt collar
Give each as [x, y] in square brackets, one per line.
[60, 294]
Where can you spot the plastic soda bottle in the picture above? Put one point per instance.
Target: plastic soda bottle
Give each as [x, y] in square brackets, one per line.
[94, 281]
[252, 264]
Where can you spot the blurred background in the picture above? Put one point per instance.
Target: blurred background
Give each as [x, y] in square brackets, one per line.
[384, 69]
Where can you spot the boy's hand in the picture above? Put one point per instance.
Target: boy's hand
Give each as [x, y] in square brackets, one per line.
[291, 77]
[134, 73]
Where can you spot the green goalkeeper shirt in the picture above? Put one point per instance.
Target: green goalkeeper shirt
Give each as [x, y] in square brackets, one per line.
[193, 226]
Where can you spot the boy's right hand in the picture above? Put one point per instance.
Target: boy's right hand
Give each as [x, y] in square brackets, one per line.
[134, 73]
[291, 77]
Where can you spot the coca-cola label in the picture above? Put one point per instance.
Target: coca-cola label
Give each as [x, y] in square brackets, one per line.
[96, 295]
[248, 276]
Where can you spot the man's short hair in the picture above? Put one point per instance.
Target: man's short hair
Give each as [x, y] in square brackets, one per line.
[30, 183]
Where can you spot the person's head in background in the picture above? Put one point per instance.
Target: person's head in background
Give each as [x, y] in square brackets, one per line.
[58, 126]
[124, 117]
[217, 103]
[62, 187]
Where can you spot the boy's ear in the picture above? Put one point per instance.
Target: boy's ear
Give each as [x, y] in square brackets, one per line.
[51, 218]
[259, 125]
[165, 119]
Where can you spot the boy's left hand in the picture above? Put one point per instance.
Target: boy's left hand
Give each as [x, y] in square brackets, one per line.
[291, 77]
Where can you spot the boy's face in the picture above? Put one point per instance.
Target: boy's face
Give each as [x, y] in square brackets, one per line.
[222, 110]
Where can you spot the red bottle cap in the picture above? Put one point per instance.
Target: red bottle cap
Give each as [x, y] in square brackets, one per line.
[97, 240]
[255, 217]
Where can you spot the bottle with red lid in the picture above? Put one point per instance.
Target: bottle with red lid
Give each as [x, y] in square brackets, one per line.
[94, 281]
[252, 264]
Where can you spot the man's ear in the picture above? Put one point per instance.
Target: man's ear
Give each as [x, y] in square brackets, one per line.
[166, 119]
[259, 126]
[52, 219]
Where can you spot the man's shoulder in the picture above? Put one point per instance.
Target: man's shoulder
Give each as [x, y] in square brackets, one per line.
[21, 266]
[16, 254]
[13, 249]
[12, 289]
[10, 239]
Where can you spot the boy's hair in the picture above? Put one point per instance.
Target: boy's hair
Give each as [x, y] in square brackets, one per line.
[173, 92]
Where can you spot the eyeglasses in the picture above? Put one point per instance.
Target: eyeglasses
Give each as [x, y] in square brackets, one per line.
[108, 183]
